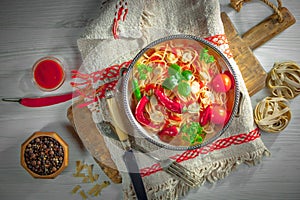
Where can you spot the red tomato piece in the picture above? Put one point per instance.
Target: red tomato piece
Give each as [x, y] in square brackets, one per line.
[228, 73]
[218, 115]
[221, 83]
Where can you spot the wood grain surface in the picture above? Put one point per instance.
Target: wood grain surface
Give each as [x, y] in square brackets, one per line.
[86, 129]
[30, 29]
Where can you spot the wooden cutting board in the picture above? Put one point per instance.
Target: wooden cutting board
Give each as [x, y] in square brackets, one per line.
[82, 121]
[241, 46]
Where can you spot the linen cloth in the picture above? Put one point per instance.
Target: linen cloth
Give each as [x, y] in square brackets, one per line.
[121, 30]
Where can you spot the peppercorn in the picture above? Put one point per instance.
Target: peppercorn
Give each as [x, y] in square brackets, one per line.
[44, 155]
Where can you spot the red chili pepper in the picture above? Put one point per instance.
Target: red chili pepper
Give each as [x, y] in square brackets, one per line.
[168, 103]
[139, 111]
[152, 86]
[170, 131]
[153, 58]
[205, 116]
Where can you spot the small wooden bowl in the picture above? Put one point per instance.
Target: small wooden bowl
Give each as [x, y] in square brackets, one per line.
[44, 155]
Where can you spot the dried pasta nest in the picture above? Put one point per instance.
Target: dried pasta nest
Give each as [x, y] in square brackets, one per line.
[272, 114]
[284, 80]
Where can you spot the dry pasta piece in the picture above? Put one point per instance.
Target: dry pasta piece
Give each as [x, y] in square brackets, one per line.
[79, 167]
[97, 188]
[272, 114]
[101, 187]
[75, 189]
[83, 195]
[95, 177]
[89, 177]
[90, 173]
[86, 179]
[94, 189]
[284, 80]
[79, 175]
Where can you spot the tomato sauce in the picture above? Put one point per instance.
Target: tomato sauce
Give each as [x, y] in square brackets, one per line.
[48, 73]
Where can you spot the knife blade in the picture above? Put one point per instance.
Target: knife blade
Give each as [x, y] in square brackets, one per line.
[129, 160]
[43, 101]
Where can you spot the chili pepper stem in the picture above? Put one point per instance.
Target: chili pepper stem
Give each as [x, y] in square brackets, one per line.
[11, 99]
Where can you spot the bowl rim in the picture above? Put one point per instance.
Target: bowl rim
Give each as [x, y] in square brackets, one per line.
[140, 128]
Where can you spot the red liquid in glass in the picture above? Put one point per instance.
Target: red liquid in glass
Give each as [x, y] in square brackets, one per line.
[48, 74]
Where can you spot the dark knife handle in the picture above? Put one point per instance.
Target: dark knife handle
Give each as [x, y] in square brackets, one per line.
[135, 175]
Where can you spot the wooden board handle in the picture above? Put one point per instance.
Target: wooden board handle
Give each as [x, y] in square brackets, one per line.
[268, 28]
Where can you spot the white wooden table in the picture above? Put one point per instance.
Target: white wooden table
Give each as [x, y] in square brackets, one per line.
[35, 28]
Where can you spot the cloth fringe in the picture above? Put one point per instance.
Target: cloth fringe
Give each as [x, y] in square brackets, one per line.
[211, 173]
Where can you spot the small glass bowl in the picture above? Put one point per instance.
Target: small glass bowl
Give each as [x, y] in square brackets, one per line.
[49, 73]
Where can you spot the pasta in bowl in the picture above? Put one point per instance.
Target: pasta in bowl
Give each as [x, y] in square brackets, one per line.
[180, 92]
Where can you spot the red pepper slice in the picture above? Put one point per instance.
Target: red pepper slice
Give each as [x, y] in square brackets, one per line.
[168, 103]
[139, 111]
[153, 58]
[152, 86]
[159, 62]
[205, 116]
[149, 87]
[170, 131]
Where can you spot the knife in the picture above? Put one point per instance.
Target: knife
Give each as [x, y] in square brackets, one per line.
[43, 101]
[128, 157]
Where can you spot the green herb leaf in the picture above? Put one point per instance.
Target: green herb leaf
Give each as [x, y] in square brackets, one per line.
[204, 55]
[143, 70]
[143, 76]
[170, 82]
[149, 69]
[192, 132]
[184, 128]
[174, 69]
[199, 139]
[184, 89]
[185, 138]
[200, 129]
[211, 59]
[187, 74]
